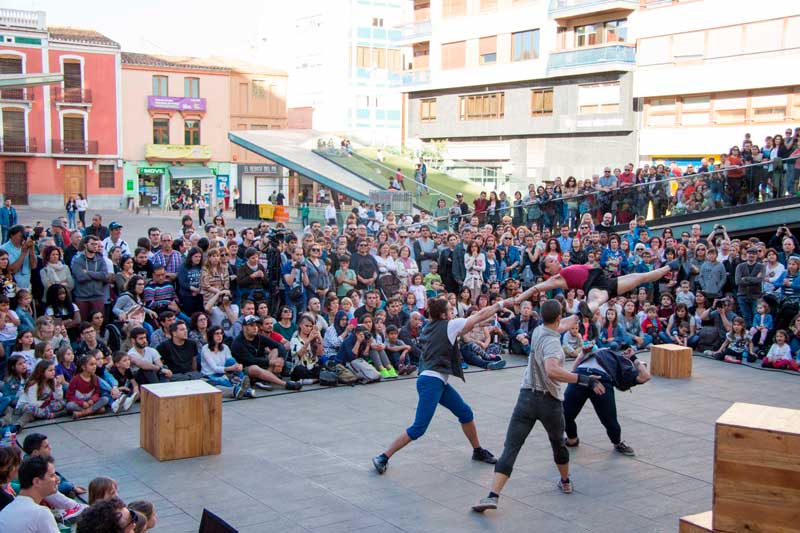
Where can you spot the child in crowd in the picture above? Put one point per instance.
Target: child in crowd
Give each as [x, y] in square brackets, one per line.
[43, 350]
[572, 343]
[398, 351]
[83, 394]
[9, 322]
[780, 354]
[126, 382]
[148, 510]
[24, 347]
[665, 310]
[417, 288]
[684, 295]
[611, 334]
[651, 325]
[25, 310]
[101, 488]
[65, 369]
[345, 277]
[410, 302]
[346, 305]
[41, 397]
[762, 325]
[432, 276]
[682, 335]
[589, 334]
[738, 344]
[14, 382]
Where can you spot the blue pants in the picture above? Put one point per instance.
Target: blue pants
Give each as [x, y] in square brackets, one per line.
[747, 308]
[432, 392]
[222, 379]
[71, 219]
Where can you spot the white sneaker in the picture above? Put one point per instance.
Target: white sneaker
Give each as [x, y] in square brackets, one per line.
[115, 405]
[305, 382]
[129, 401]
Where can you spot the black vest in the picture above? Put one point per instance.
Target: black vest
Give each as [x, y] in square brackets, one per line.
[437, 352]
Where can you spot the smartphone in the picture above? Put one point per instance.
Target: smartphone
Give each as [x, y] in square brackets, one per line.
[353, 322]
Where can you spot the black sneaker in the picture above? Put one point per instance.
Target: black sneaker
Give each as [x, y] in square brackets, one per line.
[624, 449]
[585, 310]
[380, 462]
[483, 455]
[293, 385]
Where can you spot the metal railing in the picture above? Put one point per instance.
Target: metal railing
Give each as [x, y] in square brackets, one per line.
[612, 53]
[74, 147]
[17, 95]
[557, 6]
[19, 145]
[72, 96]
[20, 18]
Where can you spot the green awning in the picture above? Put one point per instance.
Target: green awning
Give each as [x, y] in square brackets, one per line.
[191, 173]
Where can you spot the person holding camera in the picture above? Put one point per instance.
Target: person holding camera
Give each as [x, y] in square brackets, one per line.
[21, 255]
[722, 318]
[295, 278]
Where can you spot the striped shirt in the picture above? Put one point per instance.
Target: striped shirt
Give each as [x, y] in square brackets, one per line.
[157, 296]
[171, 263]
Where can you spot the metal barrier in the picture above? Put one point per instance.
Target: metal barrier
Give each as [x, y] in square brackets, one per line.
[400, 202]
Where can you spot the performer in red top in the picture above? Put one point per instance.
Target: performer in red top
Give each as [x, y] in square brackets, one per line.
[597, 287]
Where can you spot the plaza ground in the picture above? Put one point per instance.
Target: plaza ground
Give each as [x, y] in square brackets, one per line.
[301, 461]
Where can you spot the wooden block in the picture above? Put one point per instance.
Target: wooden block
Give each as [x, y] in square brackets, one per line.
[180, 420]
[696, 523]
[757, 469]
[671, 361]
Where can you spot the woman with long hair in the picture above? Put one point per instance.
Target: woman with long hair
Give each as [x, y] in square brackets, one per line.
[55, 271]
[41, 398]
[24, 346]
[214, 277]
[189, 282]
[306, 350]
[475, 264]
[59, 305]
[124, 273]
[220, 368]
[8, 286]
[199, 328]
[45, 331]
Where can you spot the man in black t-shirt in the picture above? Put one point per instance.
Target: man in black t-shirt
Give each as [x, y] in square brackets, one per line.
[180, 354]
[259, 355]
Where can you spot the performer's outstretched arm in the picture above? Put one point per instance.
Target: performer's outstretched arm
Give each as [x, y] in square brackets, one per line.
[554, 282]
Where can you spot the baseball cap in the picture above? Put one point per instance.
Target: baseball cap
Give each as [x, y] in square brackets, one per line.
[252, 319]
[115, 225]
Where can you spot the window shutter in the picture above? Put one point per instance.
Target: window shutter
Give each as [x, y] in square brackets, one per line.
[72, 75]
[10, 65]
[73, 129]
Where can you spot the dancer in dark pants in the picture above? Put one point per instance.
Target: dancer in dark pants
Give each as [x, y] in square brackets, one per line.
[605, 364]
[441, 359]
[540, 400]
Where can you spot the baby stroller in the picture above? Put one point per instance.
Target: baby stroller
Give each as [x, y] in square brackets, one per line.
[389, 285]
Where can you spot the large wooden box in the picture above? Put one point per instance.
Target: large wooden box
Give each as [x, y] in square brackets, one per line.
[180, 420]
[757, 470]
[671, 361]
[696, 523]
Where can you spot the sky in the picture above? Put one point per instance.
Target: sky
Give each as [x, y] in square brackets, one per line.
[253, 30]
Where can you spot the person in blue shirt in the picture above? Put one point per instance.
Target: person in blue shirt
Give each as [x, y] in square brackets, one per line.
[21, 255]
[8, 218]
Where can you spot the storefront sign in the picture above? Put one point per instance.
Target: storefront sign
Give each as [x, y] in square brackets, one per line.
[260, 169]
[222, 184]
[176, 103]
[152, 170]
[177, 152]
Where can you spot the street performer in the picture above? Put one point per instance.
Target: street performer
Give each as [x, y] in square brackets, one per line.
[597, 287]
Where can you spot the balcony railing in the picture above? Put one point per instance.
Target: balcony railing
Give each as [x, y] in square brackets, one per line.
[75, 147]
[615, 53]
[559, 8]
[36, 20]
[416, 31]
[72, 96]
[17, 95]
[409, 78]
[19, 145]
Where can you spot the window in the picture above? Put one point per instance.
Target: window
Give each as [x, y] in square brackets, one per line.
[768, 106]
[695, 110]
[487, 49]
[13, 130]
[454, 8]
[613, 31]
[662, 111]
[260, 126]
[363, 57]
[525, 45]
[72, 75]
[191, 87]
[394, 60]
[481, 106]
[379, 58]
[73, 129]
[599, 98]
[688, 45]
[106, 173]
[427, 109]
[541, 102]
[259, 88]
[453, 55]
[160, 86]
[587, 35]
[616, 31]
[377, 22]
[11, 65]
[730, 108]
[160, 131]
[191, 132]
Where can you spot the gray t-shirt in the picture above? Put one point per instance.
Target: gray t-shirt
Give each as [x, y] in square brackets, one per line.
[545, 344]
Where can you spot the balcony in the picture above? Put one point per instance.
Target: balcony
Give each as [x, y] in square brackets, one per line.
[75, 147]
[569, 9]
[19, 145]
[607, 58]
[16, 95]
[415, 32]
[80, 97]
[410, 78]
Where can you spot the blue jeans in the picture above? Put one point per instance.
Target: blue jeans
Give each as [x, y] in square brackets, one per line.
[71, 219]
[747, 308]
[472, 355]
[223, 380]
[605, 406]
[432, 392]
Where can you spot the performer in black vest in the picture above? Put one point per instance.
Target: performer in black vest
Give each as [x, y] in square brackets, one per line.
[441, 359]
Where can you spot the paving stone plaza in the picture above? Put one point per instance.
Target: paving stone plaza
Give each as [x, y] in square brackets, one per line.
[301, 461]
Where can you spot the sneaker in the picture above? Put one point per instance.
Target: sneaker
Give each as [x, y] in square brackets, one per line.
[751, 358]
[246, 383]
[293, 385]
[464, 365]
[565, 486]
[483, 455]
[496, 365]
[380, 462]
[732, 359]
[250, 393]
[489, 502]
[72, 514]
[624, 449]
[585, 310]
[305, 382]
[263, 386]
[116, 404]
[392, 372]
[385, 374]
[238, 391]
[573, 445]
[129, 401]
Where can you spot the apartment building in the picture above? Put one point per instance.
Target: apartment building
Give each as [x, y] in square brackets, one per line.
[708, 72]
[346, 62]
[59, 140]
[522, 91]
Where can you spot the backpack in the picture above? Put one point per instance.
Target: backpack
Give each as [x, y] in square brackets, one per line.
[328, 378]
[364, 371]
[622, 371]
[345, 376]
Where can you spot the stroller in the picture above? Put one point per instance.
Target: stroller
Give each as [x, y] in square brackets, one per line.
[389, 285]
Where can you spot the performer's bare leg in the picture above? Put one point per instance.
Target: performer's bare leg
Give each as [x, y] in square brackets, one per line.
[629, 282]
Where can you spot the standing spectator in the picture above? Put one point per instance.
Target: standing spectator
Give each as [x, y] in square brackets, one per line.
[97, 229]
[72, 210]
[21, 250]
[115, 240]
[91, 277]
[81, 205]
[8, 218]
[749, 276]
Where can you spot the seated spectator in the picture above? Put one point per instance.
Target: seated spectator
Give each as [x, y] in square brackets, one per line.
[221, 369]
[89, 341]
[41, 397]
[180, 354]
[632, 327]
[398, 351]
[477, 349]
[148, 510]
[159, 294]
[520, 327]
[83, 395]
[306, 350]
[267, 329]
[37, 480]
[336, 333]
[223, 312]
[108, 516]
[680, 316]
[259, 356]
[102, 488]
[165, 320]
[63, 500]
[612, 335]
[13, 385]
[737, 345]
[9, 467]
[126, 382]
[146, 360]
[572, 343]
[780, 354]
[410, 333]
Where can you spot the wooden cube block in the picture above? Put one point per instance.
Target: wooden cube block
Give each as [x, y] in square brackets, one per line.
[671, 361]
[180, 420]
[757, 469]
[696, 523]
